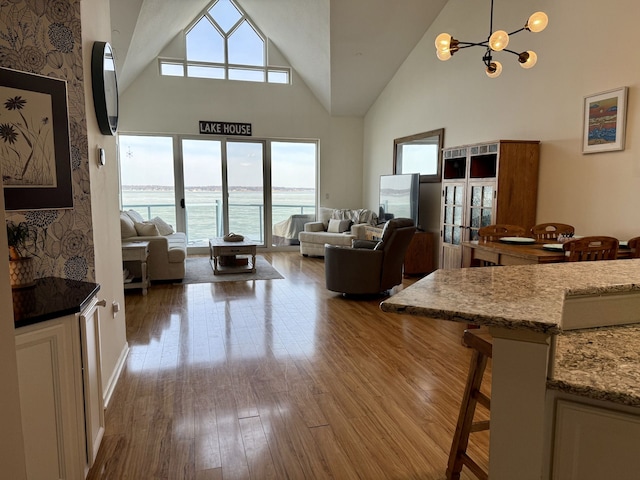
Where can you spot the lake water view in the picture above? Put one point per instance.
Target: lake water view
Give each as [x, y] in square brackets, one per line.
[204, 209]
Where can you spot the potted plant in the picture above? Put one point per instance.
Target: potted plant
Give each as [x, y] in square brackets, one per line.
[21, 237]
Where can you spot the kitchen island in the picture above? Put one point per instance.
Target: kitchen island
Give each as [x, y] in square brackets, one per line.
[545, 349]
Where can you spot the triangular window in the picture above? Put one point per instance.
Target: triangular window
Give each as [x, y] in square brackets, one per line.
[223, 43]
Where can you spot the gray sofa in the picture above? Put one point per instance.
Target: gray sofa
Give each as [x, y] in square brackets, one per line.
[317, 234]
[167, 248]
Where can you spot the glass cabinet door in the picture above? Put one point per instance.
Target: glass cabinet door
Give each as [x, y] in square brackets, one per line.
[453, 213]
[481, 207]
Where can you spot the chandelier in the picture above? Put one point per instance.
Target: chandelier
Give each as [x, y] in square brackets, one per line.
[497, 41]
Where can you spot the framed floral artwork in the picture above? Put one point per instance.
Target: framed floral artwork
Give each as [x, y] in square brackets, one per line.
[604, 121]
[35, 158]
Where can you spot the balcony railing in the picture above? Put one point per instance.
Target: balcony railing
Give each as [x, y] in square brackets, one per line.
[204, 220]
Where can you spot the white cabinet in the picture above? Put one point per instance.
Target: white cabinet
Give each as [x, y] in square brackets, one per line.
[592, 443]
[92, 380]
[61, 394]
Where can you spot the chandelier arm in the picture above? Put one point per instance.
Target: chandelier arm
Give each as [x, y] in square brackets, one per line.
[511, 51]
[487, 57]
[491, 20]
[472, 44]
[517, 31]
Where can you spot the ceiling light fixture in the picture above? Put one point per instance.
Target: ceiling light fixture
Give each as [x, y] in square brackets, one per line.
[497, 41]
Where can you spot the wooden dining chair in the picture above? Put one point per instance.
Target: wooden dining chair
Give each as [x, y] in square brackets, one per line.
[591, 248]
[634, 245]
[494, 232]
[550, 231]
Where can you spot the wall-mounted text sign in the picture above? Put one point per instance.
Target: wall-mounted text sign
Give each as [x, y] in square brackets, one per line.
[225, 128]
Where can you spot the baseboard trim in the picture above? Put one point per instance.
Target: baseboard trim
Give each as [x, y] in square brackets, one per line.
[113, 380]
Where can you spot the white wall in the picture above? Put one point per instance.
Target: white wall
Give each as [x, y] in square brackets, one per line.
[156, 104]
[104, 206]
[586, 49]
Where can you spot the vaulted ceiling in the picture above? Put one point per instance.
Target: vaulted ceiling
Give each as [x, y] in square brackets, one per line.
[346, 51]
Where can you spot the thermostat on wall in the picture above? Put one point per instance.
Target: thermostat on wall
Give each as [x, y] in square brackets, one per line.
[102, 158]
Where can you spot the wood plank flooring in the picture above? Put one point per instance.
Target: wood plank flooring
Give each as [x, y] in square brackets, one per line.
[282, 379]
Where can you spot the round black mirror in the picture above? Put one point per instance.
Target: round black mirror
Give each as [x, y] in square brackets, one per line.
[105, 87]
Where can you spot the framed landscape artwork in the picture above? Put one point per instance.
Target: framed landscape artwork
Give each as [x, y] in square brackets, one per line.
[604, 121]
[35, 156]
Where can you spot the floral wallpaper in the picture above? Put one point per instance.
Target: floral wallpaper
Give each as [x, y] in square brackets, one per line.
[44, 37]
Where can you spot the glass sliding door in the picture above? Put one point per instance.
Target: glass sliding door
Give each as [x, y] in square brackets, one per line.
[207, 187]
[245, 188]
[293, 189]
[147, 182]
[202, 173]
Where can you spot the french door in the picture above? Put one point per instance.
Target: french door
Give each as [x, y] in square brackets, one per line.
[223, 185]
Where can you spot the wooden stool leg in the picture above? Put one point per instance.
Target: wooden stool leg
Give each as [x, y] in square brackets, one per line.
[458, 456]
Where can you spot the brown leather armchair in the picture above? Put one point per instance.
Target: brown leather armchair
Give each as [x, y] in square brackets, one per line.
[373, 269]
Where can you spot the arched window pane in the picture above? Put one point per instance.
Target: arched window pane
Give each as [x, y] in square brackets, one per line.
[204, 43]
[225, 14]
[245, 46]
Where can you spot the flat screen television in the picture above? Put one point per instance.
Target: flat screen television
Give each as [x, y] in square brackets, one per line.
[399, 197]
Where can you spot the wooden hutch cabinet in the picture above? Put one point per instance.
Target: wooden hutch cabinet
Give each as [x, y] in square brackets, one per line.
[484, 184]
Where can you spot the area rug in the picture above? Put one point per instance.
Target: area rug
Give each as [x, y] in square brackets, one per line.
[200, 270]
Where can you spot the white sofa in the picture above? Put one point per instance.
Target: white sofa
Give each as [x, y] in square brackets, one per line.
[167, 248]
[317, 234]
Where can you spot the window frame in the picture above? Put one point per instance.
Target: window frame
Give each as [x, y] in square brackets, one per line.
[265, 69]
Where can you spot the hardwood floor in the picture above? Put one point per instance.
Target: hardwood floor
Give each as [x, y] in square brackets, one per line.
[282, 379]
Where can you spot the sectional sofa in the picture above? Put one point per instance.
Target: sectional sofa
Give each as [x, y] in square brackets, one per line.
[335, 227]
[167, 248]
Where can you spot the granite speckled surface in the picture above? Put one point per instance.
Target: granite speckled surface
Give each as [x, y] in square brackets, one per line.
[519, 297]
[600, 363]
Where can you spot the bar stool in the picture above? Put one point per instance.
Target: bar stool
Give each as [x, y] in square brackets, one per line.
[481, 342]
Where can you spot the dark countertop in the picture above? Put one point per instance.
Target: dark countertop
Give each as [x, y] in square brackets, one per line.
[50, 298]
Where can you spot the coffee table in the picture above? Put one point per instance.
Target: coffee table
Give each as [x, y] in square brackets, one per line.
[219, 248]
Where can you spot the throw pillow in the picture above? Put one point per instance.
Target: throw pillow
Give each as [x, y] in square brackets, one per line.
[163, 227]
[135, 216]
[338, 226]
[127, 228]
[146, 229]
[324, 214]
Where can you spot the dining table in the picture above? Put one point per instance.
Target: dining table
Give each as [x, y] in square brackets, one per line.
[524, 251]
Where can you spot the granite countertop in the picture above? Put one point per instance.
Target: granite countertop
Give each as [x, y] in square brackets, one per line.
[600, 363]
[50, 298]
[526, 297]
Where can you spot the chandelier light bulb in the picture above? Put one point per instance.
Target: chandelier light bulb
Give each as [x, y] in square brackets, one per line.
[537, 22]
[443, 42]
[528, 59]
[444, 56]
[494, 69]
[499, 40]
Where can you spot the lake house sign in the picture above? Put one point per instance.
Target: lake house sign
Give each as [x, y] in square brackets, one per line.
[225, 128]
